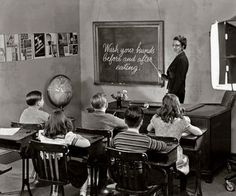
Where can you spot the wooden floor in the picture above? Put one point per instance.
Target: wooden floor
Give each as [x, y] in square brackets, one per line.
[10, 184]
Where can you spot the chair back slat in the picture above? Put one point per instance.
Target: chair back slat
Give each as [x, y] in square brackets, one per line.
[45, 166]
[51, 166]
[56, 169]
[50, 162]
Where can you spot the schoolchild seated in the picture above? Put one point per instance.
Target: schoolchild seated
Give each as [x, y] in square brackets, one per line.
[170, 121]
[132, 140]
[58, 130]
[34, 114]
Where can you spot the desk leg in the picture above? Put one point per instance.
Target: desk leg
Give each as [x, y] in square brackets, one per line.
[170, 185]
[198, 190]
[25, 176]
[96, 180]
[93, 180]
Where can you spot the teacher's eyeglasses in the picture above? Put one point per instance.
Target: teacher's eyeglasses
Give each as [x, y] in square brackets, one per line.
[176, 45]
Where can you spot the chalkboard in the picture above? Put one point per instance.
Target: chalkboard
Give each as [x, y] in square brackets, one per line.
[128, 52]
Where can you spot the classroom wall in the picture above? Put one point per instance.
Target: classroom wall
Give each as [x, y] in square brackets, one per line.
[18, 78]
[189, 18]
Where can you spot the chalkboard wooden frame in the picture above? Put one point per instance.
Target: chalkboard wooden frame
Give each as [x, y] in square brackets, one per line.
[141, 41]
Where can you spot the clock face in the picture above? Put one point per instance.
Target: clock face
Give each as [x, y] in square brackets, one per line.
[60, 91]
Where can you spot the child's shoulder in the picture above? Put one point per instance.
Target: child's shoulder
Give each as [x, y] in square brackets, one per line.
[187, 119]
[156, 116]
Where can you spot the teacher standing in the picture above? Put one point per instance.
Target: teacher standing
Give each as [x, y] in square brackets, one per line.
[177, 71]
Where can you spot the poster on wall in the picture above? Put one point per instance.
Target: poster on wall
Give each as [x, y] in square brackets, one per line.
[12, 47]
[73, 43]
[68, 44]
[63, 44]
[39, 45]
[2, 48]
[26, 49]
[51, 44]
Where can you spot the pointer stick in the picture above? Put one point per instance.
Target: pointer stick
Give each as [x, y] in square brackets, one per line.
[158, 71]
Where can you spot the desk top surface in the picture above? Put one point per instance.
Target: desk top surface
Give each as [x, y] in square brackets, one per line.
[19, 135]
[167, 157]
[92, 137]
[206, 110]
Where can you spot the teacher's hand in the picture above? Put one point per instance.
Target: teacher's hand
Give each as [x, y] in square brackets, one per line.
[159, 73]
[164, 77]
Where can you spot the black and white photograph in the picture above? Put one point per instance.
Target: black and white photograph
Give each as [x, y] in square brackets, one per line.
[51, 46]
[26, 46]
[39, 45]
[12, 47]
[2, 49]
[118, 97]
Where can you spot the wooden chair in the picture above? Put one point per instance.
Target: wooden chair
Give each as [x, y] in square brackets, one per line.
[130, 171]
[50, 163]
[95, 164]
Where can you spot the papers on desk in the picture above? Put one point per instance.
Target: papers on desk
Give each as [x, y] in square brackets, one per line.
[8, 131]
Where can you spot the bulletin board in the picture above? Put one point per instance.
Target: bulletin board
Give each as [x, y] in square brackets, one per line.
[127, 52]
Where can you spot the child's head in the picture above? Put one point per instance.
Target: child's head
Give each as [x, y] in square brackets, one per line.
[57, 124]
[35, 98]
[170, 108]
[134, 116]
[99, 101]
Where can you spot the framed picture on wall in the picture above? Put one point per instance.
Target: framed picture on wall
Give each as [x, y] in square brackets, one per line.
[39, 45]
[2, 48]
[12, 47]
[51, 45]
[26, 46]
[73, 43]
[63, 44]
[127, 52]
[68, 44]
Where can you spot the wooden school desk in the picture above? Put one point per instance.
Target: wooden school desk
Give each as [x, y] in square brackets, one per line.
[19, 142]
[192, 146]
[166, 160]
[215, 118]
[84, 153]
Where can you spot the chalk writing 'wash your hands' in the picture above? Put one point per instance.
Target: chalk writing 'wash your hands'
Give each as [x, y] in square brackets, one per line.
[112, 53]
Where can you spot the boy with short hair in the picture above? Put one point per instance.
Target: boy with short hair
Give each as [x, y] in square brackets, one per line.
[33, 114]
[132, 140]
[99, 119]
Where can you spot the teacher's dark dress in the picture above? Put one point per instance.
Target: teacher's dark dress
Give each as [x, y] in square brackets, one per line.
[176, 75]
